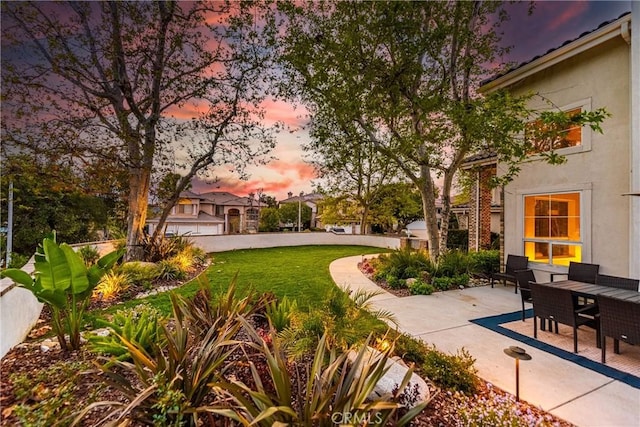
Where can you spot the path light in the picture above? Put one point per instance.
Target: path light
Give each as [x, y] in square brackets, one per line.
[518, 354]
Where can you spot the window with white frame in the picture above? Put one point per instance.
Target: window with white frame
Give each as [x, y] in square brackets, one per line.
[552, 228]
[572, 138]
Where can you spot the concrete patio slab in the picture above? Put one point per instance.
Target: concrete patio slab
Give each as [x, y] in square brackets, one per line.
[566, 389]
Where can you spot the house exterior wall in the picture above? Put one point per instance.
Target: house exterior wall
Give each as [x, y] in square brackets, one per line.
[596, 78]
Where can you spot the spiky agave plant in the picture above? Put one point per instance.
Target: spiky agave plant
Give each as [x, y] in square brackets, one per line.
[324, 390]
[169, 384]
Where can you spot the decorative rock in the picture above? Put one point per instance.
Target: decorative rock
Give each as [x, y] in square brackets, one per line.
[416, 391]
[410, 281]
[103, 332]
[49, 344]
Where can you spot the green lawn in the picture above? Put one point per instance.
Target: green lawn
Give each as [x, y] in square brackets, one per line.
[300, 272]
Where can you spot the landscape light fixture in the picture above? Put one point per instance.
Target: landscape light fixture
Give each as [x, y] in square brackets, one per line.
[518, 354]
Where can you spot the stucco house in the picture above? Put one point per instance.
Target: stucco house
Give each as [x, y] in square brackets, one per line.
[312, 200]
[583, 210]
[212, 213]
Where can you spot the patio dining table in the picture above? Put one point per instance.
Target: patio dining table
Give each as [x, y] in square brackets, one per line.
[589, 290]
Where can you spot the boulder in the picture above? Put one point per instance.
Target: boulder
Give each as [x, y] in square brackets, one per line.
[416, 391]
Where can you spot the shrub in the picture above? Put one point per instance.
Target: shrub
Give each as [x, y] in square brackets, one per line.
[111, 285]
[280, 313]
[169, 269]
[184, 260]
[159, 249]
[452, 263]
[484, 263]
[460, 280]
[65, 284]
[404, 263]
[394, 282]
[48, 394]
[458, 239]
[410, 349]
[140, 325]
[18, 260]
[171, 385]
[337, 303]
[442, 283]
[421, 288]
[89, 254]
[497, 409]
[140, 272]
[451, 371]
[336, 383]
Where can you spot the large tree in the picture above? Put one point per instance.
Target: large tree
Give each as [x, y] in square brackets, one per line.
[130, 81]
[349, 164]
[405, 74]
[49, 194]
[396, 205]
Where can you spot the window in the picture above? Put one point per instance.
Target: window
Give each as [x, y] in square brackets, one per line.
[184, 209]
[252, 214]
[552, 228]
[571, 136]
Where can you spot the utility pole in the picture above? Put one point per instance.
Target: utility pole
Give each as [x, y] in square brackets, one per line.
[300, 212]
[10, 224]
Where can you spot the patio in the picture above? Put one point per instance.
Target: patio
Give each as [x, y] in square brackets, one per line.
[568, 387]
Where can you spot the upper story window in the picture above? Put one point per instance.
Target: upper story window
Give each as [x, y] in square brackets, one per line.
[186, 209]
[571, 138]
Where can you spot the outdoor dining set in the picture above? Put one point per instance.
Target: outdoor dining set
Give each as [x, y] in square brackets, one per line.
[608, 304]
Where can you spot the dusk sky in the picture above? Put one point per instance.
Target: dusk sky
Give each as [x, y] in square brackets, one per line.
[551, 23]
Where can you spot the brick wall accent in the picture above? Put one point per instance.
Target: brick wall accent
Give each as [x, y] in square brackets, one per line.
[480, 219]
[485, 206]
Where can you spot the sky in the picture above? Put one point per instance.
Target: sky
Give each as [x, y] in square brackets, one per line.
[550, 24]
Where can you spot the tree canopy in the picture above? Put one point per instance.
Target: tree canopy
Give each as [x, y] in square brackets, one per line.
[404, 75]
[141, 84]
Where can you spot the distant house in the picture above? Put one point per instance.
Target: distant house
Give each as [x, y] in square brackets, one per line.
[581, 210]
[216, 212]
[312, 200]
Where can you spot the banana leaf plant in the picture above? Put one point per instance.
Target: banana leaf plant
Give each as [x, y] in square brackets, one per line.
[63, 282]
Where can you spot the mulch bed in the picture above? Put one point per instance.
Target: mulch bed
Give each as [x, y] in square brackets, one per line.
[29, 359]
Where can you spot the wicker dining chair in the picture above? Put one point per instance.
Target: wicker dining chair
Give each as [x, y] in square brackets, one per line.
[620, 320]
[524, 277]
[514, 263]
[618, 282]
[557, 305]
[580, 272]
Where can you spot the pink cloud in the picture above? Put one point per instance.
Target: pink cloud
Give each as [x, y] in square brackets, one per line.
[281, 111]
[276, 179]
[560, 18]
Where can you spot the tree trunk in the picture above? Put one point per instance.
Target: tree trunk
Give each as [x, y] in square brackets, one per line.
[139, 181]
[364, 220]
[427, 191]
[446, 208]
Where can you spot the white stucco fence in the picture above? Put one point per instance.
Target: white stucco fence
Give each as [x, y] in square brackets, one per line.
[20, 310]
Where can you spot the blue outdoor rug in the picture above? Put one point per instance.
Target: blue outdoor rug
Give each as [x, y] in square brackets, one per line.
[624, 367]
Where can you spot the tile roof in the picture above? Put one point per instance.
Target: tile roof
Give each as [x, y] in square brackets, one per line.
[479, 157]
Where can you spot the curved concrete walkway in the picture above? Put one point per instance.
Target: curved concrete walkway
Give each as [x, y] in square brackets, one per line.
[567, 390]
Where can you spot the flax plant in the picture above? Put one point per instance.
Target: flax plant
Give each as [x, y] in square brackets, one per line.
[329, 388]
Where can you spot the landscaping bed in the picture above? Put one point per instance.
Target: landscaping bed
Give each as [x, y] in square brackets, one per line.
[42, 387]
